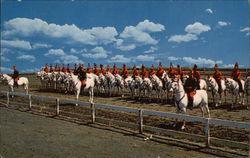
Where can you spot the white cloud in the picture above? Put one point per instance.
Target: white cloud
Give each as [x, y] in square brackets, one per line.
[4, 59]
[172, 58]
[67, 59]
[151, 50]
[193, 30]
[97, 52]
[16, 44]
[6, 69]
[201, 61]
[31, 27]
[55, 52]
[183, 38]
[119, 59]
[197, 28]
[246, 29]
[63, 57]
[145, 58]
[223, 23]
[30, 58]
[210, 11]
[139, 34]
[120, 45]
[228, 65]
[148, 26]
[132, 33]
[41, 45]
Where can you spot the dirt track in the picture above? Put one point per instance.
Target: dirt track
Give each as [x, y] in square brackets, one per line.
[223, 112]
[26, 135]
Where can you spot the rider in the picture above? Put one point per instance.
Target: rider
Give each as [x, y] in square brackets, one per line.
[125, 72]
[82, 75]
[197, 76]
[63, 68]
[152, 71]
[171, 72]
[236, 75]
[180, 72]
[89, 69]
[160, 71]
[144, 72]
[75, 69]
[103, 71]
[218, 77]
[15, 76]
[51, 68]
[108, 69]
[46, 69]
[57, 68]
[248, 73]
[190, 86]
[68, 69]
[115, 70]
[96, 71]
[135, 72]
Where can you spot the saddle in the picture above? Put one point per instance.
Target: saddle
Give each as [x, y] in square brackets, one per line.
[16, 79]
[83, 83]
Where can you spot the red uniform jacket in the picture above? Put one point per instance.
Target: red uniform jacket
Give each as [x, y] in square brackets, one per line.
[125, 73]
[197, 75]
[217, 75]
[89, 70]
[96, 71]
[115, 71]
[46, 69]
[236, 75]
[144, 74]
[151, 73]
[172, 73]
[103, 71]
[135, 73]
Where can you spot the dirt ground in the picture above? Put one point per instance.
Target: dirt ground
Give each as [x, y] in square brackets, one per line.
[240, 113]
[23, 135]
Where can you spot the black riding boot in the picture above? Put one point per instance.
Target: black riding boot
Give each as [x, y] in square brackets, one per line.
[190, 103]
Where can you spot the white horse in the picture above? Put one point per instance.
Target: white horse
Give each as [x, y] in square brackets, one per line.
[157, 86]
[119, 84]
[138, 81]
[147, 88]
[181, 99]
[110, 82]
[247, 89]
[217, 97]
[167, 81]
[129, 83]
[101, 87]
[90, 83]
[233, 88]
[23, 81]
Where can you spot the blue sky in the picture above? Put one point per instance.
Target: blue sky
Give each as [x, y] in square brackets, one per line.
[132, 32]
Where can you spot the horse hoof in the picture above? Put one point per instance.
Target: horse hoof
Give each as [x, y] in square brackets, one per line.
[182, 127]
[174, 125]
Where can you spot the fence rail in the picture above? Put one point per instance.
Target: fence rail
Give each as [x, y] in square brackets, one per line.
[140, 112]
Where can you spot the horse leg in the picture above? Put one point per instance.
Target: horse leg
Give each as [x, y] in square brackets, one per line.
[225, 96]
[202, 110]
[77, 95]
[183, 125]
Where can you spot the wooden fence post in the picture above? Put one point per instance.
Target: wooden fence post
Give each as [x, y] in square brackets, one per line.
[30, 103]
[207, 132]
[93, 112]
[140, 121]
[8, 98]
[57, 106]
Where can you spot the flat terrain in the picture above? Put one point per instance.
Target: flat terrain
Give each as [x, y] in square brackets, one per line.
[26, 135]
